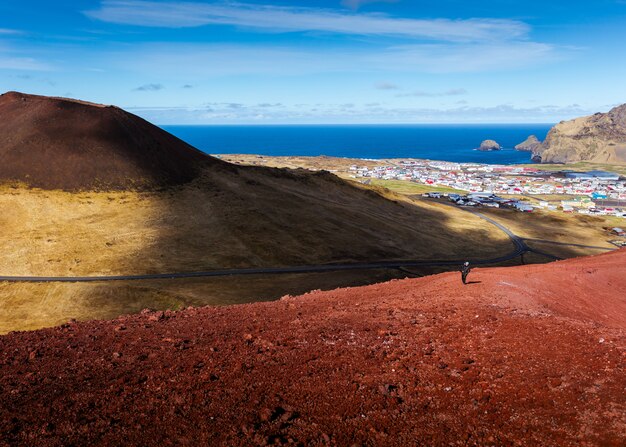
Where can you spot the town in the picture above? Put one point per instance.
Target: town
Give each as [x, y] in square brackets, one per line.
[521, 188]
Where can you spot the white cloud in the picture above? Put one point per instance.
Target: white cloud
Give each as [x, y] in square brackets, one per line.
[217, 113]
[201, 60]
[149, 88]
[7, 31]
[466, 57]
[22, 63]
[276, 19]
[12, 58]
[386, 86]
[423, 94]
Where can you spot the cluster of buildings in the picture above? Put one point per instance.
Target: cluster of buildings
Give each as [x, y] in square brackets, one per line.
[483, 199]
[593, 192]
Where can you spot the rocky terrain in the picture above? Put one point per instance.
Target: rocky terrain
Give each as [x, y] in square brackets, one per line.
[531, 355]
[599, 138]
[60, 143]
[530, 144]
[489, 145]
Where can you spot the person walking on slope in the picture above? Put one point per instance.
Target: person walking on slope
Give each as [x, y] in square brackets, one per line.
[465, 271]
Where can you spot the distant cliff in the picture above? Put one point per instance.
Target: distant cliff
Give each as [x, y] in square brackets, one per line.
[597, 138]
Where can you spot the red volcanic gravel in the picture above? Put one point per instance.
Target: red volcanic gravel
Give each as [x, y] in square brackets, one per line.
[523, 356]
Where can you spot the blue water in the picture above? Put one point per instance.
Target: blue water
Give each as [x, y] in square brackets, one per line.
[435, 142]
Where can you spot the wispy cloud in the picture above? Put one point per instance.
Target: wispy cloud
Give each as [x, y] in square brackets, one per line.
[202, 60]
[423, 94]
[215, 113]
[22, 63]
[23, 58]
[468, 57]
[275, 19]
[356, 4]
[7, 31]
[36, 79]
[14, 59]
[386, 86]
[149, 88]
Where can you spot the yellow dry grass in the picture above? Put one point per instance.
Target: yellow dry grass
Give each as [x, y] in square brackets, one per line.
[28, 306]
[239, 219]
[619, 168]
[55, 233]
[410, 188]
[557, 233]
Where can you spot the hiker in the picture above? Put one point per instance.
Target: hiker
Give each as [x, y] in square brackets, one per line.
[465, 271]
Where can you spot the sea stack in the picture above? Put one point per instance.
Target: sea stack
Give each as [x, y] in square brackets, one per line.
[529, 145]
[599, 138]
[61, 143]
[489, 145]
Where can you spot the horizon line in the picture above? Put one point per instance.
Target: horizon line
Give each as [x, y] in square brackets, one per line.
[361, 124]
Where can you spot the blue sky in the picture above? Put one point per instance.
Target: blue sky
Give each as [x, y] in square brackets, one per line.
[332, 61]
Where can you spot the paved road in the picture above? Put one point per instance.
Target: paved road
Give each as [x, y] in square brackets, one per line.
[520, 244]
[261, 271]
[520, 248]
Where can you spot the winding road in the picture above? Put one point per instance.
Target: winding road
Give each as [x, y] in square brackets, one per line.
[520, 247]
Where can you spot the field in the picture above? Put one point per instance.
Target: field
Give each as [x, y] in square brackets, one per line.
[244, 219]
[560, 234]
[333, 164]
[556, 233]
[206, 226]
[409, 188]
[580, 166]
[27, 306]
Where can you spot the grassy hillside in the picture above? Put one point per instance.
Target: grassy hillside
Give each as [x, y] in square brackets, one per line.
[233, 220]
[243, 217]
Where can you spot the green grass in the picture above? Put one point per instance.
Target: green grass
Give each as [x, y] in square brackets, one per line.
[407, 187]
[580, 166]
[551, 197]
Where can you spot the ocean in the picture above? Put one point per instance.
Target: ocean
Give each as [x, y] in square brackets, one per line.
[435, 142]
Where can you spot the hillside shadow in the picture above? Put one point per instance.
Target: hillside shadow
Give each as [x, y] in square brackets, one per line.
[242, 217]
[266, 217]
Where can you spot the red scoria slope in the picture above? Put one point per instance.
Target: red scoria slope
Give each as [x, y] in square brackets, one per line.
[523, 356]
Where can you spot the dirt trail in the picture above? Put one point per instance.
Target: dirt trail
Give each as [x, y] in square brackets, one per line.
[530, 355]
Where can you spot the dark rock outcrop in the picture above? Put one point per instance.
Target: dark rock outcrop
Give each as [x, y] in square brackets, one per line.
[489, 145]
